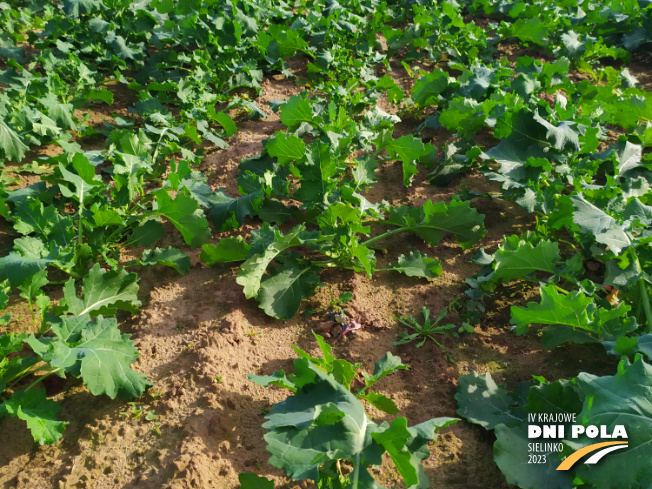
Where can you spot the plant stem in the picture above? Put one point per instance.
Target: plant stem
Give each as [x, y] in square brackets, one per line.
[568, 243]
[16, 378]
[158, 144]
[61, 282]
[41, 378]
[356, 471]
[646, 303]
[330, 264]
[79, 227]
[559, 289]
[31, 311]
[645, 298]
[384, 235]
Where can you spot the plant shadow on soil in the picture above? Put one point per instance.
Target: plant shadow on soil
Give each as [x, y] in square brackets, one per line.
[196, 327]
[198, 337]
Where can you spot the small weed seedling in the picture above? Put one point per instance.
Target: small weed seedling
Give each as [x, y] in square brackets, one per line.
[156, 395]
[251, 334]
[343, 298]
[136, 412]
[426, 331]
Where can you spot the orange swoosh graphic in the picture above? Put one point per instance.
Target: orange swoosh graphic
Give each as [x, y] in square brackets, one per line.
[571, 459]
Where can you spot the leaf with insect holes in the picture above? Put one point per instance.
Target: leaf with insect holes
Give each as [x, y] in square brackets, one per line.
[530, 30]
[31, 256]
[525, 138]
[570, 309]
[427, 89]
[84, 181]
[294, 419]
[249, 480]
[99, 94]
[394, 440]
[462, 115]
[227, 123]
[610, 400]
[383, 367]
[563, 135]
[408, 446]
[511, 444]
[604, 228]
[75, 8]
[278, 379]
[62, 114]
[4, 297]
[364, 171]
[323, 422]
[12, 364]
[381, 402]
[482, 402]
[251, 271]
[229, 213]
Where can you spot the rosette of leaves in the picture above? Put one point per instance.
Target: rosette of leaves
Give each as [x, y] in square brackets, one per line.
[334, 218]
[281, 289]
[76, 340]
[324, 423]
[572, 306]
[77, 219]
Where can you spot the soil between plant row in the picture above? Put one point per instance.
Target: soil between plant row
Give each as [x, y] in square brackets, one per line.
[199, 337]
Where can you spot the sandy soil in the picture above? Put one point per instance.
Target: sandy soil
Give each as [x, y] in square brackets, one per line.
[199, 337]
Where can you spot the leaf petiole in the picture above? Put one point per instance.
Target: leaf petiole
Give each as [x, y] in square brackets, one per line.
[385, 235]
[645, 298]
[41, 378]
[80, 235]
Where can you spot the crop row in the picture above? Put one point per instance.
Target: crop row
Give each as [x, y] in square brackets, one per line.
[571, 139]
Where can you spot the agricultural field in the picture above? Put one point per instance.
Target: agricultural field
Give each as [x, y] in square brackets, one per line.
[336, 244]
